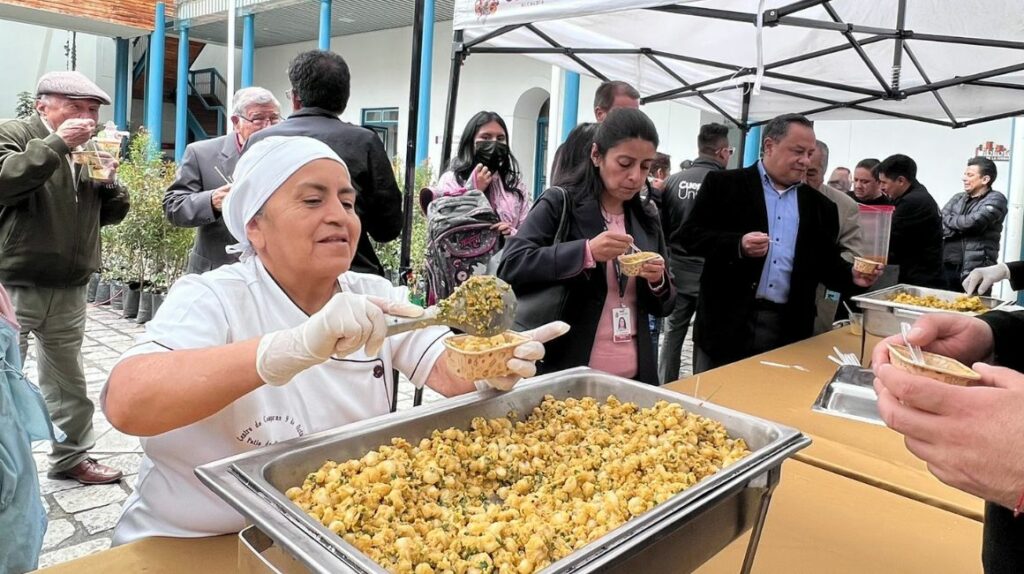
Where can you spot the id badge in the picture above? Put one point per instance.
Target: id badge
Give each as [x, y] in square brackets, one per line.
[622, 331]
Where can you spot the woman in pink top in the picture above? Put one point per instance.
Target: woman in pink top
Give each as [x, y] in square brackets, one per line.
[484, 162]
[606, 309]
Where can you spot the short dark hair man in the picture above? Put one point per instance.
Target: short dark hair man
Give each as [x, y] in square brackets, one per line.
[915, 243]
[678, 197]
[840, 179]
[866, 189]
[614, 94]
[972, 224]
[320, 90]
[767, 240]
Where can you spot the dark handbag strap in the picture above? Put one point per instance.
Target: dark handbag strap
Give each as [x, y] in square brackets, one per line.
[563, 220]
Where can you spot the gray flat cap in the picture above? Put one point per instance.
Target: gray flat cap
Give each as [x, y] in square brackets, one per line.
[72, 85]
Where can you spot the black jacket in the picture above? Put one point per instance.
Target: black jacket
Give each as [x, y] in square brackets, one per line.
[531, 262]
[730, 205]
[1002, 549]
[378, 200]
[916, 240]
[880, 200]
[49, 219]
[971, 229]
[676, 204]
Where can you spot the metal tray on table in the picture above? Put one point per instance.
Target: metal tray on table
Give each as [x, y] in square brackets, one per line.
[882, 316]
[683, 532]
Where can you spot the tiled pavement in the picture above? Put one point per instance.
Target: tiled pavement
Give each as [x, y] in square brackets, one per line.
[82, 517]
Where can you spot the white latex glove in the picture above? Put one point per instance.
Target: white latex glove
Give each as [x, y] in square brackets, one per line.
[982, 279]
[526, 355]
[347, 323]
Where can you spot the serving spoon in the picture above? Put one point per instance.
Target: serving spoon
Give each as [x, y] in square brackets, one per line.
[458, 311]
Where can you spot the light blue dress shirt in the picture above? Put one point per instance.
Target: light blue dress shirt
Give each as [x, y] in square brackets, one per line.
[783, 225]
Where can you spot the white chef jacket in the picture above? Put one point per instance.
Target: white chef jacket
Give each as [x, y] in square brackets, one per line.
[235, 303]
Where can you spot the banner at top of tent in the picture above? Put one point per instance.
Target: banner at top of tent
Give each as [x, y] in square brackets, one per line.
[491, 13]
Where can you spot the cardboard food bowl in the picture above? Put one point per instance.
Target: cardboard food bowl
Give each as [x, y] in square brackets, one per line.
[485, 363]
[865, 265]
[936, 367]
[631, 263]
[111, 146]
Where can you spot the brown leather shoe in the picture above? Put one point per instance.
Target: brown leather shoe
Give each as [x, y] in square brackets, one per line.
[89, 472]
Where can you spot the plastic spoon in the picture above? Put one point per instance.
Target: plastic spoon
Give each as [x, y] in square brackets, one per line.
[915, 352]
[457, 312]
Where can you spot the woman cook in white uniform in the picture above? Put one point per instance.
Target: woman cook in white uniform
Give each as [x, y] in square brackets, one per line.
[285, 343]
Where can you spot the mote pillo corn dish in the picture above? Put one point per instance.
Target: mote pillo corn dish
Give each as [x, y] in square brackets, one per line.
[482, 295]
[513, 497]
[963, 303]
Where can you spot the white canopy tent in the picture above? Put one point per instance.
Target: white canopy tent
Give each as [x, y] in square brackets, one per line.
[947, 62]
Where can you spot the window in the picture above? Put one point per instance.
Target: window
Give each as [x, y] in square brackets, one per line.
[384, 122]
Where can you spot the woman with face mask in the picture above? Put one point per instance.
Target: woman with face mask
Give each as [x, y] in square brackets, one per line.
[486, 163]
[605, 217]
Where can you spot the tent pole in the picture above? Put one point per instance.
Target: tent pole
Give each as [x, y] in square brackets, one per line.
[897, 54]
[410, 142]
[458, 57]
[745, 127]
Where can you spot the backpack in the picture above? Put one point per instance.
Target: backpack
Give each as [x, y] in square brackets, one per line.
[460, 241]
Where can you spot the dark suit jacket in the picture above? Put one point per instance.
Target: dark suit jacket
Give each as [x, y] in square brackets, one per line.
[916, 241]
[378, 200]
[187, 201]
[530, 262]
[729, 205]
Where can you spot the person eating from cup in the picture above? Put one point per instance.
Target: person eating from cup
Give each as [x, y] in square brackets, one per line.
[284, 343]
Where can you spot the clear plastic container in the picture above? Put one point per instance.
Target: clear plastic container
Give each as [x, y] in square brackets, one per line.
[875, 229]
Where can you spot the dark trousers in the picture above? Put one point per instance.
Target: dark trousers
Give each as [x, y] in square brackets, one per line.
[951, 277]
[676, 326]
[765, 332]
[1002, 547]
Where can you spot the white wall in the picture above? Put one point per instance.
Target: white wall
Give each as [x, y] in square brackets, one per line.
[31, 51]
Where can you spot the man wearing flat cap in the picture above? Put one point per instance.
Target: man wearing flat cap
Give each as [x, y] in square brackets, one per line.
[51, 212]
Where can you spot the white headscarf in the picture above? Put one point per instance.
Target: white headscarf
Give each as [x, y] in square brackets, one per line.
[262, 169]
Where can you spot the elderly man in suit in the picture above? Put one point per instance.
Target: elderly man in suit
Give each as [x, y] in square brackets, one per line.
[767, 240]
[197, 194]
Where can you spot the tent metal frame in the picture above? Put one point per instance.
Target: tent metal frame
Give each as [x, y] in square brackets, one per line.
[888, 89]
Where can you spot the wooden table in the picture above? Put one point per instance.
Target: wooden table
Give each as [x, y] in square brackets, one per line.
[871, 454]
[818, 522]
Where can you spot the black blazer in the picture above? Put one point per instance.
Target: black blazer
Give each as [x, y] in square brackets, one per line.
[378, 200]
[729, 205]
[531, 262]
[916, 241]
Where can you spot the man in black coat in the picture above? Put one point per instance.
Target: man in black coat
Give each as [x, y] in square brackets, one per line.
[915, 243]
[678, 197]
[320, 90]
[767, 240]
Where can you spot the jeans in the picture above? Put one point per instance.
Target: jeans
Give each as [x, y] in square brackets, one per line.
[676, 326]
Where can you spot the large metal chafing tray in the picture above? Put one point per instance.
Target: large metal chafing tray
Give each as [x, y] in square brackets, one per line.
[882, 316]
[681, 533]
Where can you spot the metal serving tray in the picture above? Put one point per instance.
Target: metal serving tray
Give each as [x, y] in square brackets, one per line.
[850, 394]
[882, 317]
[254, 483]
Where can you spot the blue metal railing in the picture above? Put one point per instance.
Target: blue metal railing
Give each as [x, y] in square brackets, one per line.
[208, 84]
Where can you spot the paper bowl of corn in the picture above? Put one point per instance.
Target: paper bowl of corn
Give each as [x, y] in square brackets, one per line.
[936, 367]
[474, 358]
[631, 263]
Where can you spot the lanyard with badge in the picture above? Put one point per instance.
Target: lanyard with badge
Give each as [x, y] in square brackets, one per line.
[622, 315]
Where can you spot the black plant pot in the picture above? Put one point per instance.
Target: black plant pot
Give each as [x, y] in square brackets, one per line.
[158, 299]
[90, 290]
[131, 300]
[117, 290]
[103, 292]
[145, 308]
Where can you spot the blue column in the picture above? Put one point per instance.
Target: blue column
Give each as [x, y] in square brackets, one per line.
[426, 75]
[248, 48]
[122, 69]
[325, 25]
[570, 102]
[181, 103]
[752, 146]
[155, 81]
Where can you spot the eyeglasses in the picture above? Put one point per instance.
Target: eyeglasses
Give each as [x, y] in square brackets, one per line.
[262, 120]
